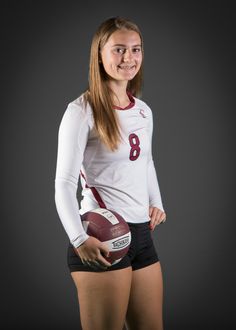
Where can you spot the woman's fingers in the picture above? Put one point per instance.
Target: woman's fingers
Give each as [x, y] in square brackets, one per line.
[94, 257]
[163, 218]
[97, 262]
[157, 216]
[95, 265]
[103, 251]
[102, 261]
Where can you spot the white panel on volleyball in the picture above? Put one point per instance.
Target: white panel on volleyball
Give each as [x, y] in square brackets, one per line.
[118, 243]
[107, 214]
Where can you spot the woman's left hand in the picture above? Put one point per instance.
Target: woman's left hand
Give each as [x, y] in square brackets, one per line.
[157, 216]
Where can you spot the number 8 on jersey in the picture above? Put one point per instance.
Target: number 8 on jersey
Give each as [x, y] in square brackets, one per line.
[135, 148]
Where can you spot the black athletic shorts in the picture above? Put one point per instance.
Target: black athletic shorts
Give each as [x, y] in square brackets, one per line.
[141, 252]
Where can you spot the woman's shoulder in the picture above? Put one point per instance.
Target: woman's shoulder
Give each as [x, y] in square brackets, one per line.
[78, 112]
[142, 104]
[80, 105]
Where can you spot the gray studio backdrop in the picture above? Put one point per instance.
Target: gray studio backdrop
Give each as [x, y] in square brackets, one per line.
[189, 75]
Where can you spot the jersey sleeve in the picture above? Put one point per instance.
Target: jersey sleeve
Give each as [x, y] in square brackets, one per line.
[155, 199]
[72, 139]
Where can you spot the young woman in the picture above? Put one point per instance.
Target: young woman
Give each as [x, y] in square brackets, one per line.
[105, 139]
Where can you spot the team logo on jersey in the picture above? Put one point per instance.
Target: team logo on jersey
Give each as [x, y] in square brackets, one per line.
[142, 113]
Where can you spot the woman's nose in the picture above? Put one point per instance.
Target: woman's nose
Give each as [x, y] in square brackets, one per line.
[128, 55]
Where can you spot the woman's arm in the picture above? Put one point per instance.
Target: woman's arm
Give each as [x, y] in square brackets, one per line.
[153, 185]
[156, 209]
[72, 140]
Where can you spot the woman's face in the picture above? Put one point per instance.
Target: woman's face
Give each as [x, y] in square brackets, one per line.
[122, 55]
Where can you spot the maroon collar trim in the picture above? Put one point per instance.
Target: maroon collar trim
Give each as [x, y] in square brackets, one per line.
[129, 106]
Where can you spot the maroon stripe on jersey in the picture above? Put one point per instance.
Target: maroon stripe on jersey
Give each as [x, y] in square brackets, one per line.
[95, 193]
[98, 197]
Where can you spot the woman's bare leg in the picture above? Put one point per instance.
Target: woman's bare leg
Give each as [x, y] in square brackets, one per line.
[146, 298]
[103, 298]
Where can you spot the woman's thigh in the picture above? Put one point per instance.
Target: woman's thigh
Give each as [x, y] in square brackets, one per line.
[103, 298]
[146, 299]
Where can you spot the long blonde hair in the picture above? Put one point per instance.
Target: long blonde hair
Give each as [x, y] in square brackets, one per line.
[98, 94]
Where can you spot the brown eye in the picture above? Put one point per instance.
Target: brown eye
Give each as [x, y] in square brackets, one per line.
[120, 50]
[136, 50]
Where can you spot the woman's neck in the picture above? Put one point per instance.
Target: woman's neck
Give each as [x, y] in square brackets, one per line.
[120, 97]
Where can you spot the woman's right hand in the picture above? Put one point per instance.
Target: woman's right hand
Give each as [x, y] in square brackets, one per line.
[90, 252]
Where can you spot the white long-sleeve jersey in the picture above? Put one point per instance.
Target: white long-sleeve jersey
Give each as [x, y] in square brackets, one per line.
[124, 181]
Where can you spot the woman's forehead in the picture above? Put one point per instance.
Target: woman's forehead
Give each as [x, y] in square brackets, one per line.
[124, 37]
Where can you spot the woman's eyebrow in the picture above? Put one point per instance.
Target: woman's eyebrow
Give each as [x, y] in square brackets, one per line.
[121, 45]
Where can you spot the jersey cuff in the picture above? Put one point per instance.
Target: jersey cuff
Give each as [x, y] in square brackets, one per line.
[156, 204]
[79, 240]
